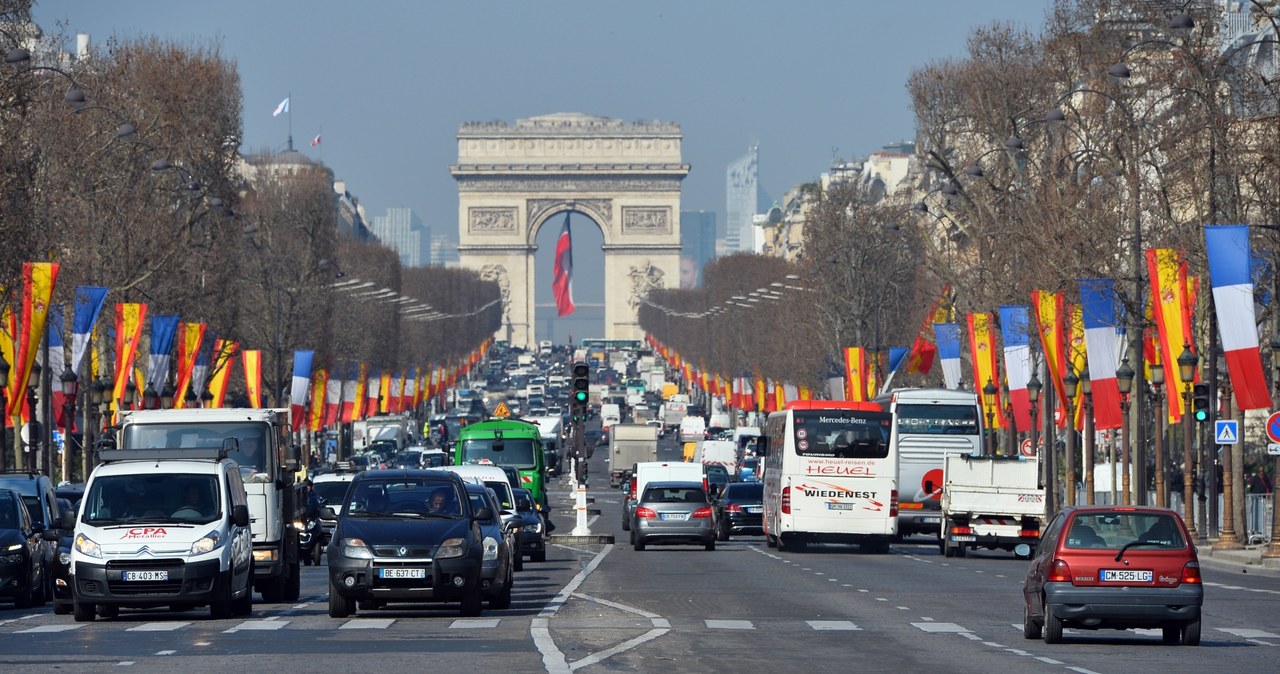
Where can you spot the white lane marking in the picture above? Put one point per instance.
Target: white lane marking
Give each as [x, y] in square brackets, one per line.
[49, 628]
[1017, 651]
[620, 607]
[845, 585]
[661, 622]
[833, 580]
[926, 618]
[125, 663]
[367, 624]
[904, 608]
[1246, 633]
[257, 625]
[862, 590]
[833, 625]
[610, 652]
[729, 625]
[165, 652]
[1223, 586]
[992, 644]
[939, 627]
[1260, 643]
[881, 599]
[158, 627]
[553, 659]
[570, 547]
[485, 623]
[970, 636]
[1048, 661]
[1081, 670]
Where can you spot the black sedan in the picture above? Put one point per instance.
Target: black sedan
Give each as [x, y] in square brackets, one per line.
[24, 571]
[740, 510]
[533, 529]
[406, 536]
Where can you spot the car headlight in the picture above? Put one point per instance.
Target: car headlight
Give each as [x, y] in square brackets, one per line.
[490, 549]
[354, 548]
[299, 525]
[209, 543]
[452, 547]
[535, 528]
[86, 546]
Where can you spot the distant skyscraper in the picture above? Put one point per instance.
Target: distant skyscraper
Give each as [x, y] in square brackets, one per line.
[741, 201]
[444, 251]
[402, 231]
[697, 244]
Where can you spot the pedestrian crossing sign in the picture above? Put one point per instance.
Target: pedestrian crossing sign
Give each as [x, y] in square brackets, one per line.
[502, 410]
[1226, 432]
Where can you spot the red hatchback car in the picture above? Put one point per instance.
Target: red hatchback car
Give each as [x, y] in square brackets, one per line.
[1114, 567]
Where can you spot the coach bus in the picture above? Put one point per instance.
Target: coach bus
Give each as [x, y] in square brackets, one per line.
[830, 475]
[929, 424]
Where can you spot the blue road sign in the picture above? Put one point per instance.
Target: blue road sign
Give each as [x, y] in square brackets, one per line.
[1226, 432]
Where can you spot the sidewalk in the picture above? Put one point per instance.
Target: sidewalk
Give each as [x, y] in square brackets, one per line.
[1247, 560]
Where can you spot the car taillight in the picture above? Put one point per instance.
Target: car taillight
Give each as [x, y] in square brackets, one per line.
[893, 503]
[645, 513]
[786, 500]
[733, 508]
[706, 486]
[1191, 573]
[631, 494]
[1029, 533]
[962, 530]
[1059, 572]
[702, 513]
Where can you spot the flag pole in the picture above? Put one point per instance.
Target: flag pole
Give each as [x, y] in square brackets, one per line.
[289, 112]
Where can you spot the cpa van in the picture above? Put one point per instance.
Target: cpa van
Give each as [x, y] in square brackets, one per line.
[163, 527]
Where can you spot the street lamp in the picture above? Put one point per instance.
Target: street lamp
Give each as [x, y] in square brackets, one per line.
[1158, 416]
[1086, 386]
[1033, 395]
[1187, 369]
[97, 405]
[1124, 379]
[989, 392]
[166, 396]
[70, 387]
[4, 414]
[150, 399]
[1072, 383]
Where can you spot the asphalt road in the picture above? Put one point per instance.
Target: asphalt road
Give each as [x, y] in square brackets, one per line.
[743, 607]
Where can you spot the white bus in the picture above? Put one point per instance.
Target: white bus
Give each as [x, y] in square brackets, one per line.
[929, 424]
[830, 475]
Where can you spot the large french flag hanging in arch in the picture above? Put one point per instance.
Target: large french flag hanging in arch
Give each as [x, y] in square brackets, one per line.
[562, 281]
[1229, 264]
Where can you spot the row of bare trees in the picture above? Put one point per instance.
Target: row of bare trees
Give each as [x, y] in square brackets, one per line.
[1042, 157]
[124, 166]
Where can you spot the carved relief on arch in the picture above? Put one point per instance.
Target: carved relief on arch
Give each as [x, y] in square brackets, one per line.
[498, 273]
[644, 278]
[491, 220]
[600, 210]
[646, 220]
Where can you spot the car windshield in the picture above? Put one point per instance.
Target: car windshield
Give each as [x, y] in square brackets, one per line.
[405, 496]
[516, 452]
[331, 492]
[409, 458]
[9, 517]
[153, 498]
[1114, 530]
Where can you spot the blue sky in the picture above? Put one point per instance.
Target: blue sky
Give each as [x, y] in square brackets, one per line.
[388, 82]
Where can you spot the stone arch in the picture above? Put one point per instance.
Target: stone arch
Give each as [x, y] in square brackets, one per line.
[515, 179]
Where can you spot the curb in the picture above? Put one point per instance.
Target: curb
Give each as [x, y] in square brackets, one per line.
[1247, 561]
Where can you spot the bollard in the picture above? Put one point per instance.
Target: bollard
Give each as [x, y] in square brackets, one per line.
[580, 506]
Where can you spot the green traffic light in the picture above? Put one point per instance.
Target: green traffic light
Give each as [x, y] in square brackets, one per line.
[580, 396]
[1202, 415]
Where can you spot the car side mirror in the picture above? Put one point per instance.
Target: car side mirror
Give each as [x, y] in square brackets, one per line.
[67, 520]
[50, 535]
[484, 515]
[328, 513]
[762, 446]
[525, 504]
[37, 528]
[240, 515]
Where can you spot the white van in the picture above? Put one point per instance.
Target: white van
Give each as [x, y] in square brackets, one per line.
[163, 527]
[693, 428]
[490, 476]
[719, 453]
[610, 414]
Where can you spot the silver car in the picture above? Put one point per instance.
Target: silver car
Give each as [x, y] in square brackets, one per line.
[673, 513]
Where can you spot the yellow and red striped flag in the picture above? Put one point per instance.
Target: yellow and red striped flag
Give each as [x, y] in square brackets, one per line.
[38, 279]
[982, 349]
[253, 376]
[190, 338]
[319, 380]
[129, 319]
[855, 374]
[224, 360]
[1171, 290]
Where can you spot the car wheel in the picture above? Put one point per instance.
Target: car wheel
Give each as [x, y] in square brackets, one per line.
[711, 545]
[1191, 633]
[61, 608]
[109, 611]
[638, 544]
[243, 606]
[770, 541]
[503, 600]
[1171, 635]
[517, 561]
[626, 525]
[306, 560]
[26, 598]
[539, 556]
[1030, 628]
[1052, 626]
[316, 552]
[722, 532]
[471, 604]
[339, 606]
[959, 550]
[84, 613]
[293, 587]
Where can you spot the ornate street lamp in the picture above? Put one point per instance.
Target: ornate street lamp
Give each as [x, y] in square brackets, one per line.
[989, 392]
[4, 421]
[1086, 387]
[166, 396]
[130, 394]
[1158, 416]
[1124, 379]
[99, 406]
[1069, 470]
[70, 387]
[1033, 396]
[1187, 369]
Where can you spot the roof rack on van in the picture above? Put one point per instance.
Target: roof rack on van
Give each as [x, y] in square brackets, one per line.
[344, 467]
[190, 454]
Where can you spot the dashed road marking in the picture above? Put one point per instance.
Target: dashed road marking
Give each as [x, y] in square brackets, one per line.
[158, 627]
[475, 623]
[730, 625]
[939, 627]
[44, 629]
[258, 625]
[833, 625]
[367, 624]
[1246, 633]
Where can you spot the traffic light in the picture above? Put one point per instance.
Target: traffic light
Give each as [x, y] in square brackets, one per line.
[1200, 402]
[581, 384]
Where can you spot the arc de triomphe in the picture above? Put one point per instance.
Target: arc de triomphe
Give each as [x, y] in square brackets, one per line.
[514, 179]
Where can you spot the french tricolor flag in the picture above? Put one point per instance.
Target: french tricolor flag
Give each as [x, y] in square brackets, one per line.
[332, 399]
[947, 335]
[350, 386]
[1102, 348]
[301, 382]
[1017, 363]
[1229, 263]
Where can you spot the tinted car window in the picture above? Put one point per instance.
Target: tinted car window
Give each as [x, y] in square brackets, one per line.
[674, 495]
[741, 491]
[1114, 530]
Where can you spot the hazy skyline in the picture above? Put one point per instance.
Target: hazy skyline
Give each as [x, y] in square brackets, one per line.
[388, 83]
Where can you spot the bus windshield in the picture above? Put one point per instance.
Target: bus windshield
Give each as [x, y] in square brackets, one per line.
[516, 452]
[937, 419]
[842, 434]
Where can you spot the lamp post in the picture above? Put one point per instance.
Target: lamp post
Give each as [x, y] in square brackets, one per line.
[1227, 537]
[1273, 549]
[1033, 396]
[166, 396]
[34, 432]
[150, 399]
[989, 392]
[4, 414]
[1187, 369]
[98, 405]
[1158, 416]
[1124, 378]
[1069, 469]
[70, 387]
[130, 394]
[1086, 386]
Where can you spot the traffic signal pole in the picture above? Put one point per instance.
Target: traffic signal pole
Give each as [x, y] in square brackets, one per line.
[578, 411]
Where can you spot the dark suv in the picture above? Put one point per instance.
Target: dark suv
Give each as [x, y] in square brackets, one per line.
[24, 571]
[38, 493]
[1114, 567]
[406, 536]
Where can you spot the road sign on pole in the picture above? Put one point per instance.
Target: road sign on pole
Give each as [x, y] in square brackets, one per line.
[1026, 448]
[1273, 427]
[1226, 432]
